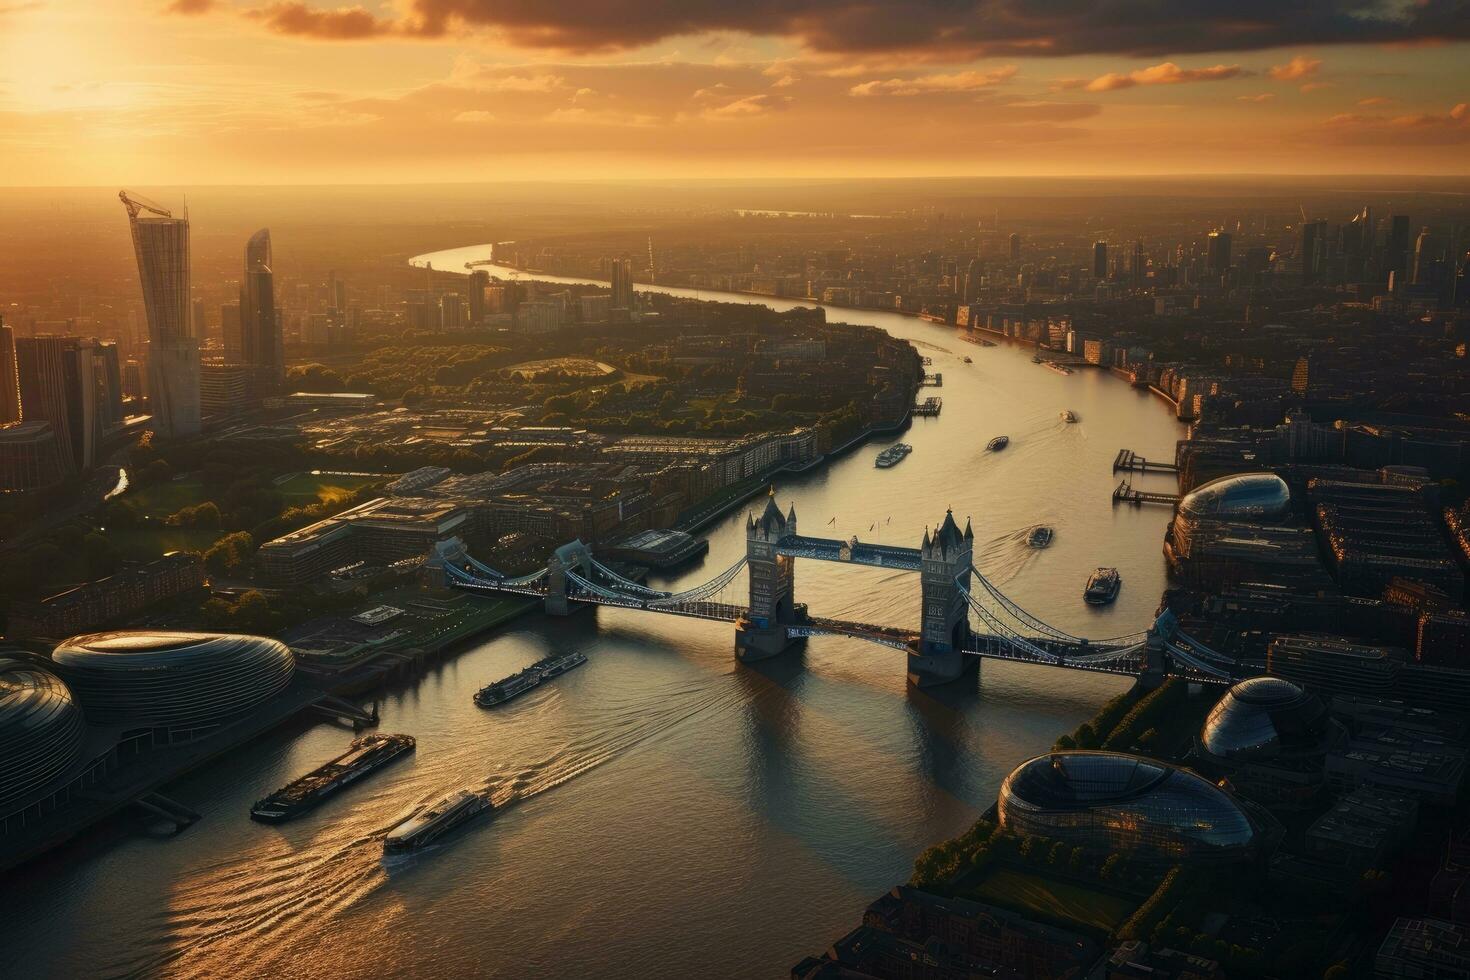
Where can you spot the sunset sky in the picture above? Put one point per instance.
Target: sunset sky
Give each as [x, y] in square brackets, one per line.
[278, 91]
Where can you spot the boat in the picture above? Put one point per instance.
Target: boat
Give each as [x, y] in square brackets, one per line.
[556, 666]
[1070, 416]
[1040, 536]
[1036, 359]
[436, 820]
[1058, 368]
[968, 359]
[1102, 586]
[509, 687]
[893, 455]
[367, 755]
[998, 443]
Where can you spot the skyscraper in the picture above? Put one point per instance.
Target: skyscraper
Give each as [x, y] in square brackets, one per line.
[1015, 247]
[1313, 249]
[622, 284]
[9, 381]
[1219, 252]
[260, 333]
[1100, 260]
[1396, 252]
[161, 243]
[58, 384]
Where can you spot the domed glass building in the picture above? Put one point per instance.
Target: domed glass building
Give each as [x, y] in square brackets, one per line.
[41, 731]
[1271, 739]
[185, 683]
[1245, 498]
[1112, 802]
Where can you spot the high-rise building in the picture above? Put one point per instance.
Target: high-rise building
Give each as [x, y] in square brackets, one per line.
[58, 384]
[1100, 260]
[1139, 264]
[229, 322]
[622, 284]
[974, 272]
[261, 348]
[161, 244]
[10, 412]
[1015, 246]
[1218, 256]
[1313, 250]
[1396, 251]
[479, 279]
[1425, 254]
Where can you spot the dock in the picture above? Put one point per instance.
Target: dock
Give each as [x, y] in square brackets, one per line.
[1129, 461]
[1125, 494]
[929, 407]
[935, 380]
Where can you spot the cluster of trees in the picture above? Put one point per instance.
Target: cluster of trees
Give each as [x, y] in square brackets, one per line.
[1090, 734]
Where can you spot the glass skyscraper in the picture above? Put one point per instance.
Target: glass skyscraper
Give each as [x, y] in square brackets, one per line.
[161, 243]
[260, 331]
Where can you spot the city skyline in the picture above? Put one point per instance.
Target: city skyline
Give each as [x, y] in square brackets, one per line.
[210, 92]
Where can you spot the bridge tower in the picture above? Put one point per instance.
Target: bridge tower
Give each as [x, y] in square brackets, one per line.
[572, 556]
[945, 613]
[762, 632]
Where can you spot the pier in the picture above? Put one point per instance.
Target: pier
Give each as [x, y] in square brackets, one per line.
[1125, 494]
[929, 407]
[1129, 461]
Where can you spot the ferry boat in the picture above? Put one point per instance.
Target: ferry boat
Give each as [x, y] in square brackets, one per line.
[998, 443]
[556, 666]
[1070, 416]
[893, 455]
[1040, 536]
[434, 821]
[968, 359]
[510, 687]
[1102, 586]
[367, 755]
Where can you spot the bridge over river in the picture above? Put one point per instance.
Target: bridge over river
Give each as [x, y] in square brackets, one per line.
[962, 615]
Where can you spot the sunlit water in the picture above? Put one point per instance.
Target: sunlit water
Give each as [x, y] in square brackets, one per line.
[669, 812]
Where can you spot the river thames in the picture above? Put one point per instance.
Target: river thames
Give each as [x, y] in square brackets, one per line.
[674, 814]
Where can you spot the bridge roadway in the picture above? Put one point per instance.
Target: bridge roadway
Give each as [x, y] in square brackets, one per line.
[852, 552]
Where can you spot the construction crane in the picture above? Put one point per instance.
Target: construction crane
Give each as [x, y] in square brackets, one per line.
[137, 202]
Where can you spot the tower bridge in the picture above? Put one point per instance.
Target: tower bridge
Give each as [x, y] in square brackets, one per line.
[963, 617]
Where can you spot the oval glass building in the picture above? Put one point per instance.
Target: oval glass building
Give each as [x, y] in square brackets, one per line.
[172, 680]
[41, 731]
[1250, 498]
[1112, 802]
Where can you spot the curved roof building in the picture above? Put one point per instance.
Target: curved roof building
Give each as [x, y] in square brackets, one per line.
[1109, 801]
[41, 730]
[1271, 738]
[1245, 498]
[1267, 718]
[172, 680]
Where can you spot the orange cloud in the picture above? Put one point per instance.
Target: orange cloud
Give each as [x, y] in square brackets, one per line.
[1375, 100]
[189, 7]
[1263, 97]
[964, 81]
[1297, 68]
[292, 17]
[1167, 73]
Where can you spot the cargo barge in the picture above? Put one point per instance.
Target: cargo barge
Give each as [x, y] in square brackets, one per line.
[367, 755]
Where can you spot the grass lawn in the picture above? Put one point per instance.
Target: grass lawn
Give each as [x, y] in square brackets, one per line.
[142, 544]
[168, 497]
[304, 488]
[1062, 902]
